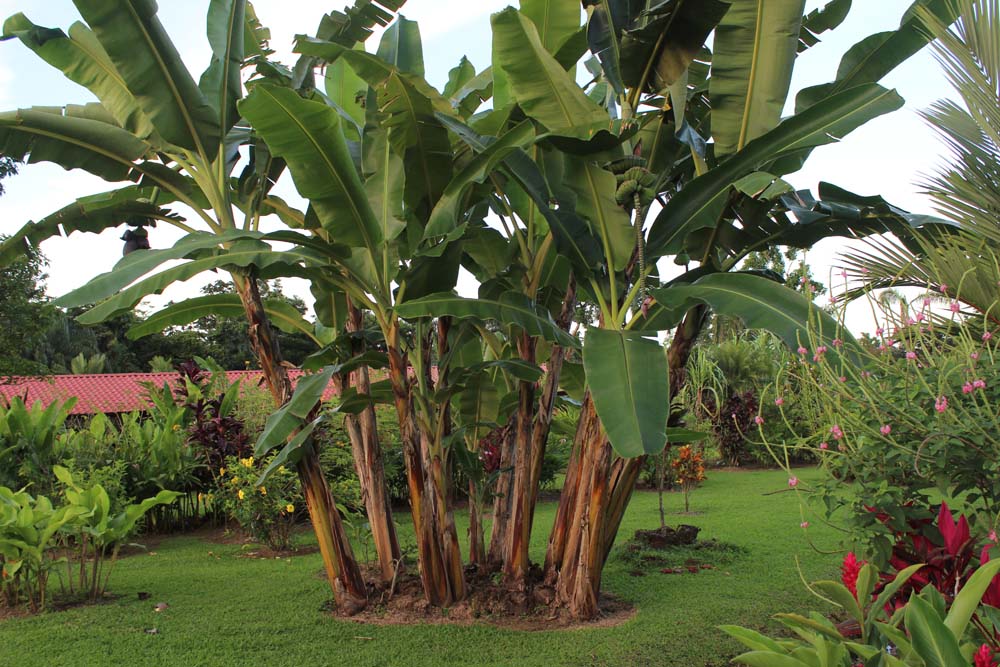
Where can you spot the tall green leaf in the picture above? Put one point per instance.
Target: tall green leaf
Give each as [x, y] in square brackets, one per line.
[151, 67]
[221, 81]
[542, 88]
[280, 313]
[93, 214]
[655, 54]
[83, 60]
[821, 19]
[628, 379]
[242, 255]
[555, 20]
[760, 303]
[876, 55]
[282, 424]
[969, 598]
[45, 135]
[134, 266]
[308, 136]
[410, 104]
[595, 201]
[445, 215]
[346, 89]
[701, 203]
[931, 638]
[384, 179]
[509, 308]
[752, 58]
[402, 48]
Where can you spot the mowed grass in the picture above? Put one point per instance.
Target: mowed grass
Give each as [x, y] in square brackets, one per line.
[226, 610]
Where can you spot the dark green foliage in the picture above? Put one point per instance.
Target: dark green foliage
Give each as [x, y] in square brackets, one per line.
[24, 313]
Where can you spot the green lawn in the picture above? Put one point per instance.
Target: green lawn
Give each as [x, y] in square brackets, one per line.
[226, 610]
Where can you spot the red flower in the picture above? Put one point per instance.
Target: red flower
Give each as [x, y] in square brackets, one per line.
[984, 657]
[849, 572]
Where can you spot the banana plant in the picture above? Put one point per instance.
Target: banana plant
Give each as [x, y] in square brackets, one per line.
[715, 207]
[179, 142]
[575, 179]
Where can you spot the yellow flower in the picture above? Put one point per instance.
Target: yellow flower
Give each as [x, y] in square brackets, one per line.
[234, 481]
[281, 468]
[177, 427]
[263, 491]
[222, 471]
[289, 508]
[247, 463]
[239, 494]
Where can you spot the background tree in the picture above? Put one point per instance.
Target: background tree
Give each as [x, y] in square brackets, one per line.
[25, 314]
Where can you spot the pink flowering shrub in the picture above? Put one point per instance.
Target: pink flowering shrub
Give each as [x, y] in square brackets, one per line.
[911, 412]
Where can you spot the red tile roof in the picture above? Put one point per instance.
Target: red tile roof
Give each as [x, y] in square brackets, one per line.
[111, 392]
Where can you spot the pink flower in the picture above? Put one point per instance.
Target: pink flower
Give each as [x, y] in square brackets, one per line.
[974, 356]
[910, 321]
[911, 355]
[987, 335]
[886, 429]
[837, 342]
[804, 525]
[836, 432]
[879, 331]
[943, 288]
[843, 274]
[758, 420]
[954, 306]
[779, 401]
[941, 404]
[920, 317]
[927, 302]
[793, 482]
[824, 446]
[993, 536]
[979, 384]
[802, 350]
[866, 374]
[842, 378]
[967, 388]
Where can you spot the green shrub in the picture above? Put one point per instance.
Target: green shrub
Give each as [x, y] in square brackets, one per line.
[265, 513]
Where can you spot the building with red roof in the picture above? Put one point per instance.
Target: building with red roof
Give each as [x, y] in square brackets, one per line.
[112, 392]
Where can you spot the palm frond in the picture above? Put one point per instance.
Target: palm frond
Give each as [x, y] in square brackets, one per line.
[968, 188]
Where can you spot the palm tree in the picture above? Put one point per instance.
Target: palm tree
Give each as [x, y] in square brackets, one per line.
[962, 264]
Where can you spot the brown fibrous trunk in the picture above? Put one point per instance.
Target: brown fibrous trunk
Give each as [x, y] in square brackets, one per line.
[341, 568]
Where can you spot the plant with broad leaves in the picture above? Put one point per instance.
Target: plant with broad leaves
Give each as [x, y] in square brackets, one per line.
[926, 631]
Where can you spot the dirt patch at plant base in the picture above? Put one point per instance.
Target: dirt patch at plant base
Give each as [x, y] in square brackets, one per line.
[665, 537]
[676, 551]
[488, 603]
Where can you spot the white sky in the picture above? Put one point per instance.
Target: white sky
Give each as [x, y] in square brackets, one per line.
[884, 157]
